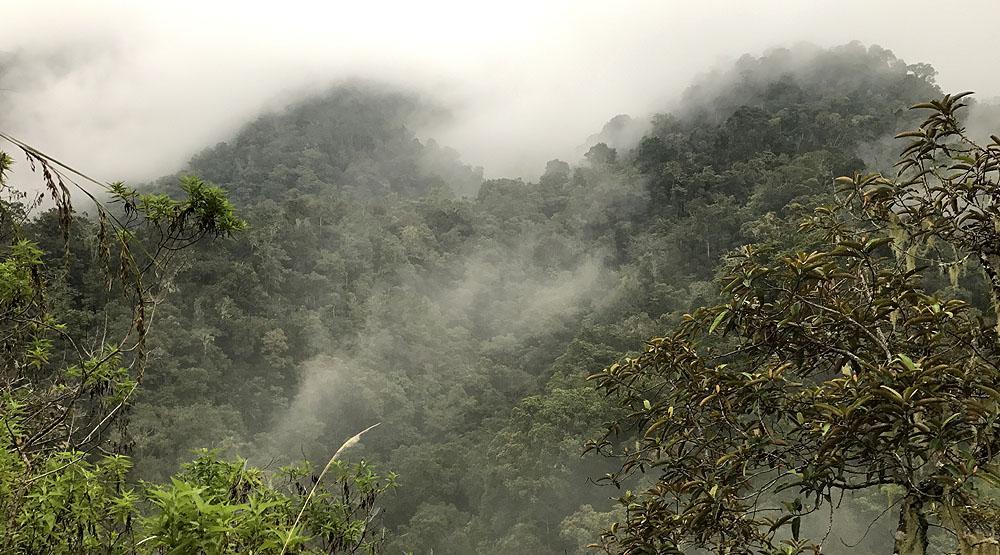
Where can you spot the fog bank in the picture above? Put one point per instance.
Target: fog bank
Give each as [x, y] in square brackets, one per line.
[130, 90]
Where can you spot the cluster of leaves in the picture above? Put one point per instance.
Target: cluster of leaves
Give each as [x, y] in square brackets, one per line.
[213, 506]
[206, 210]
[216, 506]
[948, 191]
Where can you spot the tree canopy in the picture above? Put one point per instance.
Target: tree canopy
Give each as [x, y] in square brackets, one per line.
[828, 370]
[380, 279]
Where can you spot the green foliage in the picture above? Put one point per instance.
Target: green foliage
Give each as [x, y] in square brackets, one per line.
[217, 506]
[824, 371]
[205, 210]
[467, 325]
[69, 505]
[212, 506]
[60, 399]
[382, 280]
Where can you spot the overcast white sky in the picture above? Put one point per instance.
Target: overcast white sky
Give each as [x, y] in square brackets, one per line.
[146, 84]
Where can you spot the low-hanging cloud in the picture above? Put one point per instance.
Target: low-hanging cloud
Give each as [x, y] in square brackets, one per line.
[441, 326]
[130, 90]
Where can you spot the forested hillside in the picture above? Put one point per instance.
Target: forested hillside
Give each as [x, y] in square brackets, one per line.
[374, 285]
[381, 280]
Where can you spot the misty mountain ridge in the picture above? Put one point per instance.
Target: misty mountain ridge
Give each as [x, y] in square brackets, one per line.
[381, 279]
[384, 280]
[358, 137]
[353, 140]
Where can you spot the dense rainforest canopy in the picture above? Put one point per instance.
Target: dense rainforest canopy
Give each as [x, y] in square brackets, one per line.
[380, 280]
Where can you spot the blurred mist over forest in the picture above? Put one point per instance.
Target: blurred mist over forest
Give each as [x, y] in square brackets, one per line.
[453, 221]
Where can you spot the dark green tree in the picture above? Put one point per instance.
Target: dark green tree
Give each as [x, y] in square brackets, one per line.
[827, 370]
